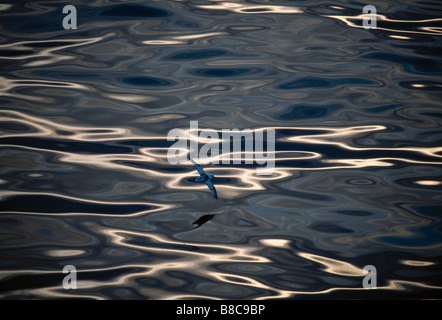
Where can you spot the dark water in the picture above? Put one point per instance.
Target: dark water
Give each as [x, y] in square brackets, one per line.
[85, 180]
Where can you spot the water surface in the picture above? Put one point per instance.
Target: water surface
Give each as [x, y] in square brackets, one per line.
[85, 180]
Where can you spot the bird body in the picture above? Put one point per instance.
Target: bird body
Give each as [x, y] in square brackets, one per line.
[206, 178]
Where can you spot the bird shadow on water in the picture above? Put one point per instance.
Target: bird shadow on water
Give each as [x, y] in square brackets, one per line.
[202, 220]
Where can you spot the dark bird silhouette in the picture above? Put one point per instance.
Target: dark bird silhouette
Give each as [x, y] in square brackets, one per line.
[206, 178]
[203, 219]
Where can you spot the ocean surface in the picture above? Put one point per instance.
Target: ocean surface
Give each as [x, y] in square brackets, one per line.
[85, 180]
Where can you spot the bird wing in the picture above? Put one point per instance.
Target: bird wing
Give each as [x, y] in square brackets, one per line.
[212, 188]
[198, 167]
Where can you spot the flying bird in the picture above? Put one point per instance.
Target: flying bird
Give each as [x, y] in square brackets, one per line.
[206, 178]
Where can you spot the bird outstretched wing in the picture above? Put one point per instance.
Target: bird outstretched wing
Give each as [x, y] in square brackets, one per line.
[212, 188]
[198, 167]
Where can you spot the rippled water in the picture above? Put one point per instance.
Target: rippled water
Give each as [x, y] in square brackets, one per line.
[85, 180]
